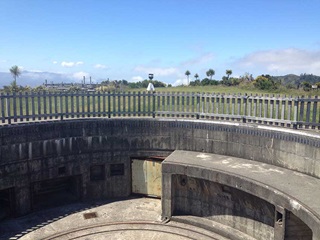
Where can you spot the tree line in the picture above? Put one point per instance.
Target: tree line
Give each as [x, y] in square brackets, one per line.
[262, 82]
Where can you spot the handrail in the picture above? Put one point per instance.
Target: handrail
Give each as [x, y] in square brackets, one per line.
[286, 111]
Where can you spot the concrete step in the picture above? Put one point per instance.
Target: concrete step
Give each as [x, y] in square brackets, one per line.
[138, 230]
[212, 226]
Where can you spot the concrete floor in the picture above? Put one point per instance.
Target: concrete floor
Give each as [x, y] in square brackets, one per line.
[136, 218]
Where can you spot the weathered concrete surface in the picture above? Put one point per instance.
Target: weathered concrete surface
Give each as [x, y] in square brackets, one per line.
[34, 153]
[126, 219]
[295, 192]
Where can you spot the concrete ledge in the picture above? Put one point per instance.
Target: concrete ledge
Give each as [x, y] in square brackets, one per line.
[290, 190]
[223, 230]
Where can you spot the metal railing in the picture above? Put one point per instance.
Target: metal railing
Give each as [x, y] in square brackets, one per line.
[295, 112]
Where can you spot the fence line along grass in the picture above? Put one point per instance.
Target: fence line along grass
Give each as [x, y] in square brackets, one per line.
[288, 111]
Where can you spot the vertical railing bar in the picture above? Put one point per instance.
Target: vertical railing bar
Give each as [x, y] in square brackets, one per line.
[124, 104]
[93, 96]
[99, 104]
[3, 117]
[158, 102]
[249, 105]
[55, 104]
[44, 98]
[212, 103]
[228, 104]
[239, 104]
[77, 105]
[245, 108]
[119, 103]
[33, 107]
[260, 106]
[39, 105]
[233, 100]
[21, 106]
[271, 106]
[66, 103]
[289, 108]
[129, 104]
[114, 110]
[301, 117]
[149, 103]
[283, 107]
[265, 108]
[168, 103]
[109, 104]
[183, 104]
[88, 104]
[295, 113]
[207, 103]
[172, 104]
[83, 104]
[72, 105]
[277, 108]
[314, 114]
[104, 103]
[255, 100]
[153, 105]
[14, 98]
[8, 108]
[222, 104]
[61, 106]
[139, 103]
[163, 103]
[50, 105]
[134, 104]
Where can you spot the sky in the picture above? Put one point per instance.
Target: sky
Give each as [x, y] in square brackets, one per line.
[125, 39]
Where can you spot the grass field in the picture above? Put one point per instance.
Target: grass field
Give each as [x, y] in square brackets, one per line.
[235, 90]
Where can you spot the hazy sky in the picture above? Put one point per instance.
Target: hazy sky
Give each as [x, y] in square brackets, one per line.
[119, 39]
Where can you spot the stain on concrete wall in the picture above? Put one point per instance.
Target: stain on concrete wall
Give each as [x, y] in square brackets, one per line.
[224, 204]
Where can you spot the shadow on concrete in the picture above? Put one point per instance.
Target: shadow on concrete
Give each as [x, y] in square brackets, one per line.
[15, 228]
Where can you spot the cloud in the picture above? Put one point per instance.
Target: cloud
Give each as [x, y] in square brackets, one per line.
[54, 62]
[136, 79]
[157, 71]
[79, 75]
[204, 58]
[179, 82]
[71, 64]
[282, 61]
[100, 66]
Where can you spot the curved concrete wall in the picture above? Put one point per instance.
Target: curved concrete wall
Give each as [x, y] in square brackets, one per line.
[35, 152]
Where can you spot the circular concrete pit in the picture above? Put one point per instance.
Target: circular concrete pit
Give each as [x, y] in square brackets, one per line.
[259, 182]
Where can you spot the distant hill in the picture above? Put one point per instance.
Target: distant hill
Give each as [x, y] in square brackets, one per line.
[34, 79]
[296, 80]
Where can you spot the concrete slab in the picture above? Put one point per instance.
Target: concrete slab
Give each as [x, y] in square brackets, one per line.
[136, 218]
[304, 188]
[297, 192]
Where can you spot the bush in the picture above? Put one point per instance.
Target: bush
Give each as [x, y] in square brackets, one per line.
[264, 83]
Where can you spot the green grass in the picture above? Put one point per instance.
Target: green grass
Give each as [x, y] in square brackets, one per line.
[236, 90]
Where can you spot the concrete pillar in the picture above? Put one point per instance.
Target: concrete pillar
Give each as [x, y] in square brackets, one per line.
[23, 200]
[167, 196]
[279, 223]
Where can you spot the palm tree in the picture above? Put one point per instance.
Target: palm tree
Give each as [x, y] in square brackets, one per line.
[228, 72]
[196, 76]
[210, 73]
[187, 73]
[15, 71]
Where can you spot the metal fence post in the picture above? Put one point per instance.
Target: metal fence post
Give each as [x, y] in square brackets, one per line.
[153, 104]
[295, 113]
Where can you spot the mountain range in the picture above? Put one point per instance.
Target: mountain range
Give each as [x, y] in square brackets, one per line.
[33, 79]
